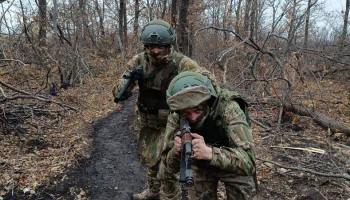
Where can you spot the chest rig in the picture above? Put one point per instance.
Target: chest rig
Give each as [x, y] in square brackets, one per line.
[213, 129]
[213, 132]
[153, 86]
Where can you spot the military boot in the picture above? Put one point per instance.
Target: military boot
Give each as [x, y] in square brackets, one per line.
[147, 194]
[152, 188]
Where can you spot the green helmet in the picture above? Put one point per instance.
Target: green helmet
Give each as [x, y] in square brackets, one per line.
[158, 32]
[189, 89]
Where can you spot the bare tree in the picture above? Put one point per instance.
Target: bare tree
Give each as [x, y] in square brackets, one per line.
[137, 14]
[227, 19]
[151, 7]
[183, 28]
[247, 10]
[100, 13]
[55, 21]
[346, 19]
[173, 12]
[310, 4]
[276, 19]
[42, 23]
[122, 21]
[82, 18]
[238, 17]
[164, 8]
[253, 18]
[72, 75]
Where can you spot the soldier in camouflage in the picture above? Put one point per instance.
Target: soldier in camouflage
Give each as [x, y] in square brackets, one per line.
[223, 148]
[161, 63]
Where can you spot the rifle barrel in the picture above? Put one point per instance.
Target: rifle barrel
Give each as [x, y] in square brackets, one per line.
[122, 91]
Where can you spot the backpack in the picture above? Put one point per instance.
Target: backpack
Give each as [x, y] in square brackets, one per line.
[227, 95]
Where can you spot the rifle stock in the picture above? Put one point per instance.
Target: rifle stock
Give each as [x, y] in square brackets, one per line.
[135, 74]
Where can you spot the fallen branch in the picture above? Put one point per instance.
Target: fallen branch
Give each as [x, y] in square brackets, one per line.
[344, 146]
[21, 111]
[308, 149]
[319, 118]
[344, 175]
[28, 95]
[267, 129]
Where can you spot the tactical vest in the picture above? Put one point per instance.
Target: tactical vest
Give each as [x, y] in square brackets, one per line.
[152, 88]
[213, 132]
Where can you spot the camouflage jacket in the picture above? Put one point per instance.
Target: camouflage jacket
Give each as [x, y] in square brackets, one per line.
[185, 64]
[177, 60]
[229, 135]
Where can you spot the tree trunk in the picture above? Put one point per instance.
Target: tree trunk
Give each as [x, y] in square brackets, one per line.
[122, 21]
[101, 18]
[307, 19]
[346, 19]
[83, 17]
[183, 27]
[164, 8]
[173, 12]
[137, 14]
[246, 25]
[293, 24]
[121, 18]
[225, 21]
[42, 23]
[150, 7]
[253, 18]
[55, 21]
[238, 18]
[125, 25]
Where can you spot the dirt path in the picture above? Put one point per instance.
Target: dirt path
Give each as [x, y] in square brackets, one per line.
[112, 172]
[114, 167]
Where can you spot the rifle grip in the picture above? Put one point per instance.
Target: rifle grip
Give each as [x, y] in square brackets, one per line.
[187, 137]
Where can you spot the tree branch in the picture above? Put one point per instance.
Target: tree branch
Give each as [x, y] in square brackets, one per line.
[345, 175]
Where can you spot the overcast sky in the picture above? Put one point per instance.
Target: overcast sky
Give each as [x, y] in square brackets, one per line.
[330, 5]
[335, 5]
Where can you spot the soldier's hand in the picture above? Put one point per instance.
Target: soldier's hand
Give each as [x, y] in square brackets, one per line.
[178, 142]
[200, 150]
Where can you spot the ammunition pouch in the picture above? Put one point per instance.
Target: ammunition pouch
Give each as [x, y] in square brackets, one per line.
[147, 110]
[152, 117]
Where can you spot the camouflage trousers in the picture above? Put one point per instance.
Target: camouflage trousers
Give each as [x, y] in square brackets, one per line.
[150, 139]
[170, 187]
[152, 181]
[206, 184]
[149, 148]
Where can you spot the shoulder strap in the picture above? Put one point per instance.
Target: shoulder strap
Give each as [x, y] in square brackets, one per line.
[227, 95]
[178, 57]
[142, 59]
[173, 67]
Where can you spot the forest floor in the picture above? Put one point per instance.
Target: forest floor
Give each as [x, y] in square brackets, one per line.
[94, 156]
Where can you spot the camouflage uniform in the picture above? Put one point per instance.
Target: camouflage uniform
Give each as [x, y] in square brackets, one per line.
[233, 160]
[152, 107]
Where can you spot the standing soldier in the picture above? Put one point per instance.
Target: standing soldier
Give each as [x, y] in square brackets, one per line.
[222, 142]
[161, 63]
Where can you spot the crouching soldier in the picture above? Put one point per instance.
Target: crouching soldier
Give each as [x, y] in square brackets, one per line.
[222, 141]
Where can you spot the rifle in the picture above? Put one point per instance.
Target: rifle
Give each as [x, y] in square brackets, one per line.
[134, 74]
[186, 173]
